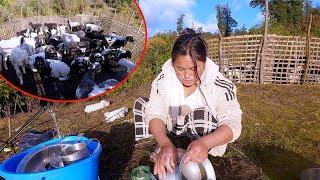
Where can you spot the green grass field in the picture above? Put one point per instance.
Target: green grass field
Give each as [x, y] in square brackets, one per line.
[281, 131]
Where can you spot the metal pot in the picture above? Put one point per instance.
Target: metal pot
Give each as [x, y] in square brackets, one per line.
[40, 160]
[75, 152]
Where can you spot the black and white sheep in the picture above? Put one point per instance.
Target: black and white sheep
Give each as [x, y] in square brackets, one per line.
[50, 68]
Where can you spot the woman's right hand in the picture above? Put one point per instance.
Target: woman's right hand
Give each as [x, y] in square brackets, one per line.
[166, 160]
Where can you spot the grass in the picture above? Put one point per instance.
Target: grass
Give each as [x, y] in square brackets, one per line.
[281, 127]
[280, 137]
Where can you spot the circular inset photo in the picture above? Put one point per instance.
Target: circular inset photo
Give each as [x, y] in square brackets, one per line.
[70, 51]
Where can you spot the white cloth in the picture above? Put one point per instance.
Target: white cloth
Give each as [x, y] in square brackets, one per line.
[219, 92]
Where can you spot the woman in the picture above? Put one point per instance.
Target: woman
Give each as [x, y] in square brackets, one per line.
[191, 98]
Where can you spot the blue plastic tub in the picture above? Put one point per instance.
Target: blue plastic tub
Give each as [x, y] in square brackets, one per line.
[86, 169]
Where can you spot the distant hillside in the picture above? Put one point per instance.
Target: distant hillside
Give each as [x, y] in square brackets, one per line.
[23, 8]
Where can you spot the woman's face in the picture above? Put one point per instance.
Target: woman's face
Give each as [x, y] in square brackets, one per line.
[185, 70]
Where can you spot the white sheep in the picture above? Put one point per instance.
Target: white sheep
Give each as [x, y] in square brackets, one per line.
[68, 38]
[6, 47]
[19, 58]
[93, 27]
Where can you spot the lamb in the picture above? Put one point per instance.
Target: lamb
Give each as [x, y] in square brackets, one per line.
[50, 68]
[19, 58]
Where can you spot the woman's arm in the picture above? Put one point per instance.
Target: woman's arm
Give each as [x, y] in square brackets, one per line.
[159, 131]
[222, 135]
[166, 160]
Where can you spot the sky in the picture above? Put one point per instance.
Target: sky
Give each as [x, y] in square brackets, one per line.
[162, 15]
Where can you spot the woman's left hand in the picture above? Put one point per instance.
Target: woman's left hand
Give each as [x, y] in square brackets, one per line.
[197, 152]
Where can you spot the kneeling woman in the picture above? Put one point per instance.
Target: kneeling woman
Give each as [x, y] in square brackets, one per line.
[191, 98]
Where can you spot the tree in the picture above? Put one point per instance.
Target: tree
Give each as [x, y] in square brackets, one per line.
[241, 31]
[225, 20]
[180, 23]
[287, 13]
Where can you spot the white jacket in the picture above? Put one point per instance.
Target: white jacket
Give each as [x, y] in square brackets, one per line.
[219, 92]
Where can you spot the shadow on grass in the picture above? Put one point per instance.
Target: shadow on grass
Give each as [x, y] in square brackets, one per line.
[118, 146]
[276, 162]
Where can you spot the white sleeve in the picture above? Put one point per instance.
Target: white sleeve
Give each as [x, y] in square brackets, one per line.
[227, 107]
[155, 107]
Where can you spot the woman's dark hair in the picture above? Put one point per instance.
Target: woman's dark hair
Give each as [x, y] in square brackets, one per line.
[190, 43]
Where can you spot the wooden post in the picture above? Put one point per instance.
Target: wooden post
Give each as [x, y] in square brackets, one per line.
[221, 63]
[264, 45]
[9, 121]
[304, 78]
[21, 12]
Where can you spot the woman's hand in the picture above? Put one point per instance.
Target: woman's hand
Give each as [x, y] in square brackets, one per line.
[197, 151]
[166, 160]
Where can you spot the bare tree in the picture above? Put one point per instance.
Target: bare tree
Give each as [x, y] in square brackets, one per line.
[304, 78]
[265, 44]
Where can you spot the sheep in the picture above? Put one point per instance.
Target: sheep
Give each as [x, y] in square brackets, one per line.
[80, 65]
[6, 47]
[32, 60]
[50, 68]
[51, 25]
[117, 41]
[19, 58]
[40, 49]
[52, 53]
[62, 30]
[54, 40]
[68, 38]
[35, 27]
[84, 46]
[90, 27]
[75, 26]
[87, 83]
[126, 63]
[25, 33]
[124, 54]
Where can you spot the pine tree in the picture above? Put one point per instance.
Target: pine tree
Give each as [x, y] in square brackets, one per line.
[226, 23]
[180, 23]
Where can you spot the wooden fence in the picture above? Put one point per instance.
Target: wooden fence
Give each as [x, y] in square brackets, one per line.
[285, 58]
[109, 22]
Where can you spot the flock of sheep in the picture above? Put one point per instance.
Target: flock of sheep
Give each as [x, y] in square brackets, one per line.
[63, 52]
